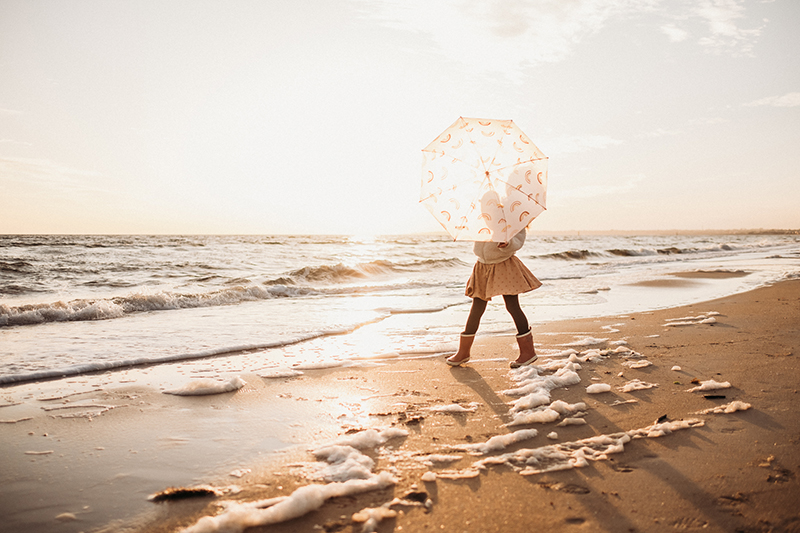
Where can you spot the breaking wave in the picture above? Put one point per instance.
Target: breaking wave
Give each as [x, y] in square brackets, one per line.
[319, 280]
[342, 273]
[579, 255]
[116, 307]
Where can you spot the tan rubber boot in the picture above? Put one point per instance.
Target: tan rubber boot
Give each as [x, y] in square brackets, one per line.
[462, 355]
[527, 353]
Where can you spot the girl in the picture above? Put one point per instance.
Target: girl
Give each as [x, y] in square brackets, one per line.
[498, 272]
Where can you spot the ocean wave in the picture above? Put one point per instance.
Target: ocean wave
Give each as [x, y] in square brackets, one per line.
[342, 273]
[570, 255]
[16, 267]
[578, 255]
[626, 252]
[119, 306]
[140, 302]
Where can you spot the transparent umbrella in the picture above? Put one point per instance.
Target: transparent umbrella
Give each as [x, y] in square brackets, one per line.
[483, 179]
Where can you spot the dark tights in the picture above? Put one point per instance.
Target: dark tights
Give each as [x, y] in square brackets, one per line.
[512, 306]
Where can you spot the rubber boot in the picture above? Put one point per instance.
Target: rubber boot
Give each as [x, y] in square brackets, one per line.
[462, 355]
[527, 353]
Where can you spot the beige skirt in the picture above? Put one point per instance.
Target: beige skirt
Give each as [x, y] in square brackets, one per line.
[509, 277]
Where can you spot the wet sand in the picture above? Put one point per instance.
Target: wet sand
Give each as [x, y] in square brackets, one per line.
[735, 472]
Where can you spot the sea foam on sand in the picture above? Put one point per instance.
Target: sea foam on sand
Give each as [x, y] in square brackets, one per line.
[568, 455]
[205, 386]
[238, 516]
[350, 468]
[710, 385]
[728, 408]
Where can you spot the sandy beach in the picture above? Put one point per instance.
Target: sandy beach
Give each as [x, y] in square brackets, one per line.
[454, 445]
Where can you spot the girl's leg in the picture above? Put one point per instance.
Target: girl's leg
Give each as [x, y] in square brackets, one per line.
[467, 338]
[514, 309]
[527, 353]
[475, 314]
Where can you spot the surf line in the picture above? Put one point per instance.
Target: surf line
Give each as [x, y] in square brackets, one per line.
[88, 368]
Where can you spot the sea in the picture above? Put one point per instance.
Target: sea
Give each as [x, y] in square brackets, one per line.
[75, 304]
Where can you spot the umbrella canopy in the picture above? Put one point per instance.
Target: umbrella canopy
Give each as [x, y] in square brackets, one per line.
[483, 179]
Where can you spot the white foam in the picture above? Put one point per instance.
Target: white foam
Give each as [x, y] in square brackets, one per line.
[568, 455]
[686, 318]
[371, 438]
[641, 363]
[454, 408]
[439, 458]
[372, 516]
[538, 416]
[531, 401]
[573, 421]
[545, 414]
[280, 373]
[728, 408]
[623, 402]
[586, 341]
[428, 477]
[345, 463]
[348, 469]
[323, 365]
[591, 356]
[665, 428]
[710, 385]
[497, 443]
[598, 388]
[206, 386]
[531, 382]
[635, 385]
[558, 354]
[238, 516]
[467, 473]
[676, 368]
[706, 318]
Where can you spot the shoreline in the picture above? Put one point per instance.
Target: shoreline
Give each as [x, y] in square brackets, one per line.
[738, 470]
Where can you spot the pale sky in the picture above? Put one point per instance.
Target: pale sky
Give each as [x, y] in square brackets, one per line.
[309, 116]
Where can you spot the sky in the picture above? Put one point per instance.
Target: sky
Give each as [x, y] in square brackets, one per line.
[309, 116]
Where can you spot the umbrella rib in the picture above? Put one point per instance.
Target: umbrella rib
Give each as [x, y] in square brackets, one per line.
[531, 160]
[451, 156]
[473, 207]
[472, 142]
[534, 200]
[507, 125]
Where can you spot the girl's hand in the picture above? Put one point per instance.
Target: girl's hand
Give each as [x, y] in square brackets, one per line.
[502, 244]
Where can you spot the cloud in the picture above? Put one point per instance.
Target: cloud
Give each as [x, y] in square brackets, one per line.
[721, 16]
[787, 100]
[506, 36]
[511, 36]
[572, 144]
[674, 33]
